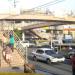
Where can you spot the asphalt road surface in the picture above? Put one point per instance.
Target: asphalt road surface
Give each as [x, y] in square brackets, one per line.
[54, 69]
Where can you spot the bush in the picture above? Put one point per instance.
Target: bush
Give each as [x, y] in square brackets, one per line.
[18, 32]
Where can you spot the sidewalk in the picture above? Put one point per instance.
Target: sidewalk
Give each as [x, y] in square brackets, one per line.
[20, 69]
[10, 69]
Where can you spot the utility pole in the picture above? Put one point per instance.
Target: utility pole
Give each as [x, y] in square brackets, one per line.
[14, 3]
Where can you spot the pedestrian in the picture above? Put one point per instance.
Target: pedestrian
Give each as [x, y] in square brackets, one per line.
[8, 53]
[11, 42]
[11, 32]
[73, 64]
[4, 41]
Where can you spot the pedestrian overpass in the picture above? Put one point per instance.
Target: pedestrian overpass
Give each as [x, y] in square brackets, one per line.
[42, 20]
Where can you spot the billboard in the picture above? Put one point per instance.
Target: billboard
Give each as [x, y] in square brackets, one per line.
[68, 36]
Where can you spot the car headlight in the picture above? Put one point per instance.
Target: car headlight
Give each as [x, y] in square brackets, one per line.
[52, 57]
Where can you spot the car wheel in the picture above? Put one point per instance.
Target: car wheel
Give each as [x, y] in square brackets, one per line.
[48, 61]
[34, 58]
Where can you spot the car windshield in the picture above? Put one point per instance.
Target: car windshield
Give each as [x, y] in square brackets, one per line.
[50, 52]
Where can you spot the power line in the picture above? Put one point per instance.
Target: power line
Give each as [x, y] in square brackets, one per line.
[48, 4]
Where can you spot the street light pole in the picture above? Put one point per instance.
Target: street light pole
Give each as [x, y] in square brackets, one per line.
[51, 42]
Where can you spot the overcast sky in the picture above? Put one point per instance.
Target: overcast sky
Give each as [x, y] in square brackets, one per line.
[59, 8]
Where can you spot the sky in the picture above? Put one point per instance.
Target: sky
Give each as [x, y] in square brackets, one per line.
[61, 8]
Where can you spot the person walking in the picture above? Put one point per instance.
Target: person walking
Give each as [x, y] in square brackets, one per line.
[4, 41]
[8, 53]
[11, 42]
[73, 64]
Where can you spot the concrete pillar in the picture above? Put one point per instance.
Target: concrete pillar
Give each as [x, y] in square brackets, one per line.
[23, 36]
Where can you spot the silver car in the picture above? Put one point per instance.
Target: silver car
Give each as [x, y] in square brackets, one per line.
[48, 55]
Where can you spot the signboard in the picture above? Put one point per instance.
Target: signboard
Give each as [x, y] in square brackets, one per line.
[68, 36]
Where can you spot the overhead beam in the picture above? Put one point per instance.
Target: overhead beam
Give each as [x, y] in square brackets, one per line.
[35, 17]
[39, 25]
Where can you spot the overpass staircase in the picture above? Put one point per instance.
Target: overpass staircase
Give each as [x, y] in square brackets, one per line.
[35, 34]
[42, 35]
[18, 56]
[38, 34]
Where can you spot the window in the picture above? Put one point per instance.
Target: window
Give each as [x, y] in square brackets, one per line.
[50, 52]
[40, 51]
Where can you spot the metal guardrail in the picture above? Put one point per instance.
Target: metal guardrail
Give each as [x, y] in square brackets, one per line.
[20, 49]
[65, 44]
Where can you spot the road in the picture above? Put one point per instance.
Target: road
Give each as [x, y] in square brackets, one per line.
[54, 69]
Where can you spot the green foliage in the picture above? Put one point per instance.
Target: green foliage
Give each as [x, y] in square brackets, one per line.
[48, 30]
[18, 32]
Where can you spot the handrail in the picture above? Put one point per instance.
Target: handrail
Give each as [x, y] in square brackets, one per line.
[21, 50]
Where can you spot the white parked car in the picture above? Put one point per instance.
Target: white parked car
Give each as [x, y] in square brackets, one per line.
[26, 43]
[31, 44]
[23, 43]
[47, 55]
